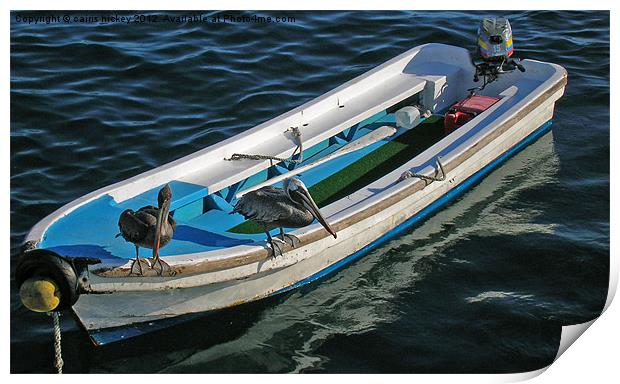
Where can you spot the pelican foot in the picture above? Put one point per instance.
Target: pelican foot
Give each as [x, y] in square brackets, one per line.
[275, 247]
[162, 268]
[294, 239]
[137, 267]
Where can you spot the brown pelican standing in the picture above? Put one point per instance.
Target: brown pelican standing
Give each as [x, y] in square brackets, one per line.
[290, 207]
[149, 227]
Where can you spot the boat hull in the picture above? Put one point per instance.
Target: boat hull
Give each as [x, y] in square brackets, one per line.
[110, 317]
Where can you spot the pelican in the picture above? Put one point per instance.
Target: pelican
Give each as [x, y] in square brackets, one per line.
[149, 227]
[291, 206]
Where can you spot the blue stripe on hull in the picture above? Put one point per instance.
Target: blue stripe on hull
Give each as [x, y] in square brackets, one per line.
[106, 336]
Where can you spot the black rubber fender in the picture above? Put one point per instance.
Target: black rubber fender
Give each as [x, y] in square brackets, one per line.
[43, 263]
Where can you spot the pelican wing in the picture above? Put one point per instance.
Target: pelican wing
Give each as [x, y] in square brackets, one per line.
[132, 225]
[267, 204]
[149, 213]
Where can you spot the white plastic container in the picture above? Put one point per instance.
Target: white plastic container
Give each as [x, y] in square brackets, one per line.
[407, 117]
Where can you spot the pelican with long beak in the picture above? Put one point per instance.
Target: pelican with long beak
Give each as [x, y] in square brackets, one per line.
[149, 227]
[290, 207]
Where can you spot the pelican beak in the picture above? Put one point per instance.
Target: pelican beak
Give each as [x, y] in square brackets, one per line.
[309, 203]
[162, 217]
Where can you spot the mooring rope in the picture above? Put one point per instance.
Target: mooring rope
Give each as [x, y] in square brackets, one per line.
[295, 132]
[58, 363]
[408, 174]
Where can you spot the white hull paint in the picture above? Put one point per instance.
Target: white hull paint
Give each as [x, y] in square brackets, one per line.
[118, 309]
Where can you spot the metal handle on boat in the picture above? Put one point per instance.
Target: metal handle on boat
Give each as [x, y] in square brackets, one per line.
[408, 174]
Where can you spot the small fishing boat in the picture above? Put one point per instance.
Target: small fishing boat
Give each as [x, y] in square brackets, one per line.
[377, 155]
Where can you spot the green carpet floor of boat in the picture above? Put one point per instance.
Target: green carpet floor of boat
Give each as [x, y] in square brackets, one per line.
[369, 168]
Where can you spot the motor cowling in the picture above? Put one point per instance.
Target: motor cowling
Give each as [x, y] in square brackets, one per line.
[495, 39]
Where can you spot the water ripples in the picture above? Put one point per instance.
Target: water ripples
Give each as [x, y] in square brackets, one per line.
[481, 286]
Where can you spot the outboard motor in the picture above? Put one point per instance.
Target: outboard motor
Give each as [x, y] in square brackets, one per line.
[494, 51]
[492, 58]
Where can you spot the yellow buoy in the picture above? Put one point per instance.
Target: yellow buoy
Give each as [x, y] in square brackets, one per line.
[40, 294]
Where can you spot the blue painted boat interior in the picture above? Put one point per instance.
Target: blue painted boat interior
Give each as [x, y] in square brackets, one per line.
[203, 218]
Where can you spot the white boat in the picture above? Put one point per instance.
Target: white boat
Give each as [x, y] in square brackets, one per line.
[393, 174]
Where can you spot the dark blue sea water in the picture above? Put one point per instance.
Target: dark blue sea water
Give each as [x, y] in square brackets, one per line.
[482, 286]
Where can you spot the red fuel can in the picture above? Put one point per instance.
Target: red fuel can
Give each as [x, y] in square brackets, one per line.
[465, 110]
